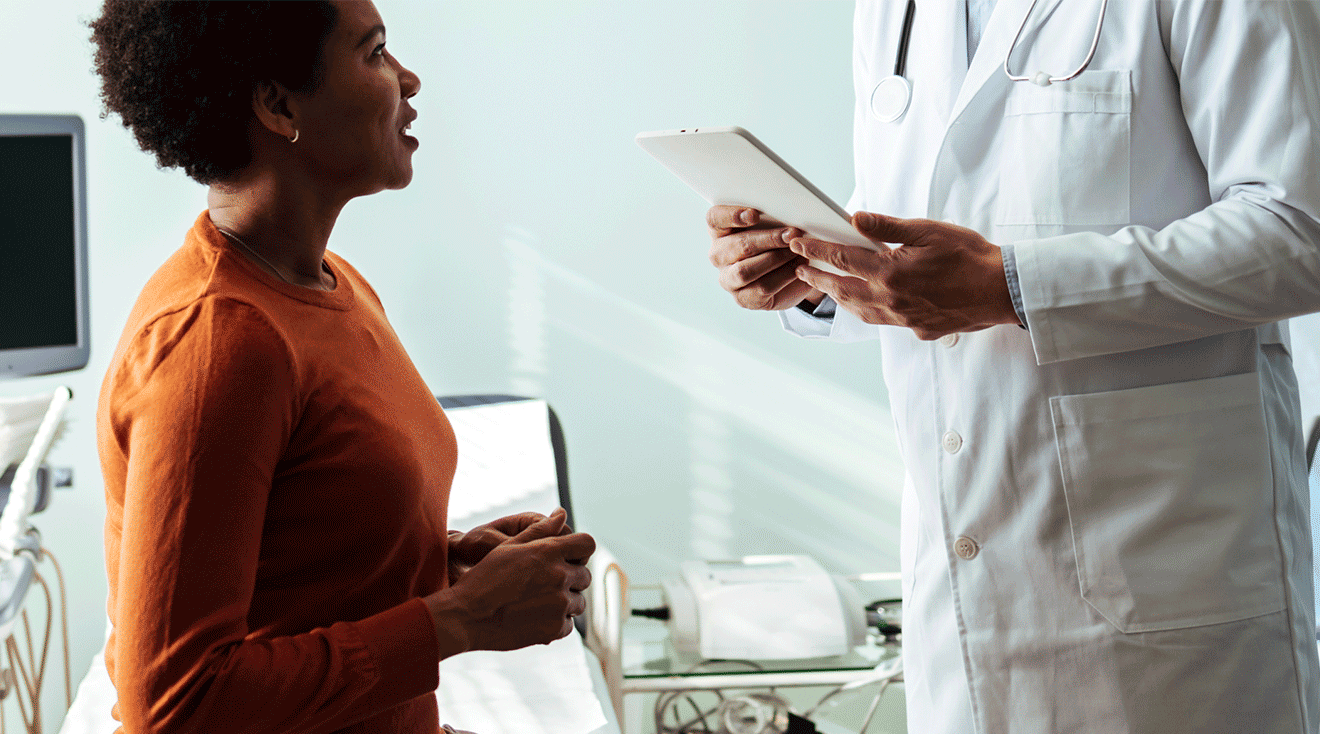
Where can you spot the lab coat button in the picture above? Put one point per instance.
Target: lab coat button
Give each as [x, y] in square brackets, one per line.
[949, 340]
[966, 548]
[952, 442]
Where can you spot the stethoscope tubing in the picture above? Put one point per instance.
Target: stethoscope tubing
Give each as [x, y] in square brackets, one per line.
[900, 61]
[1042, 78]
[892, 95]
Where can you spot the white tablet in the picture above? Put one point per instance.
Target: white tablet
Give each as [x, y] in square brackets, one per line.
[728, 165]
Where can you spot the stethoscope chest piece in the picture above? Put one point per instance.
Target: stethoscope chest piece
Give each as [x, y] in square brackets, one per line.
[890, 98]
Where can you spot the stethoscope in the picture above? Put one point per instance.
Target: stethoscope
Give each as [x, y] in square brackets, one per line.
[1043, 78]
[890, 98]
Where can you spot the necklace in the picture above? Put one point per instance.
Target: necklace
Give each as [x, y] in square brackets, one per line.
[255, 254]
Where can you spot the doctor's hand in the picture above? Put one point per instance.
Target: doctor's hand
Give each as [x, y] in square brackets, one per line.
[754, 260]
[944, 279]
[467, 549]
[523, 592]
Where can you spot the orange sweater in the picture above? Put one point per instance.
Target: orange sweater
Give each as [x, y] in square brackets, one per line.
[277, 475]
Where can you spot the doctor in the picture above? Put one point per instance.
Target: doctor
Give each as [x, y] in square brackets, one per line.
[1105, 513]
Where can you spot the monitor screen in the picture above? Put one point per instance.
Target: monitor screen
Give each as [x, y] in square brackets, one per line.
[43, 248]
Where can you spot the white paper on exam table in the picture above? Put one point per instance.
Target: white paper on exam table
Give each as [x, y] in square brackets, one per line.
[506, 463]
[542, 689]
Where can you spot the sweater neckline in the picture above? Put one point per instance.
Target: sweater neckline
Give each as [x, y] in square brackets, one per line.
[339, 299]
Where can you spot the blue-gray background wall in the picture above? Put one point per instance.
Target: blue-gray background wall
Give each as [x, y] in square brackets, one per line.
[540, 251]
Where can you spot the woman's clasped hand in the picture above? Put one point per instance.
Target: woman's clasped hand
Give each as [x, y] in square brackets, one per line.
[515, 582]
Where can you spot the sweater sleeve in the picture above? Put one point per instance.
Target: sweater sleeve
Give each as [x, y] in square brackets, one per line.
[205, 402]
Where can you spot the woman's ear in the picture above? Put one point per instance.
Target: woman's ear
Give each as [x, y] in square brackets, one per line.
[270, 103]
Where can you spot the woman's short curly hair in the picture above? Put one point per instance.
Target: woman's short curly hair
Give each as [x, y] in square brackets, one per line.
[180, 73]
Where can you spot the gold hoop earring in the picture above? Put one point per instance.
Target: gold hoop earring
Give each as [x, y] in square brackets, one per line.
[294, 139]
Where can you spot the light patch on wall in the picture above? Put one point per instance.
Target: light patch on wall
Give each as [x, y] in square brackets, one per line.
[527, 317]
[818, 422]
[710, 502]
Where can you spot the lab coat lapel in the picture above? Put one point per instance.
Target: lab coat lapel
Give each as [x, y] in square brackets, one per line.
[938, 55]
[995, 42]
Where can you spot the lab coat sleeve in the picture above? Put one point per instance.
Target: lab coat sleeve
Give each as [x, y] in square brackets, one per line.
[1249, 93]
[807, 325]
[841, 326]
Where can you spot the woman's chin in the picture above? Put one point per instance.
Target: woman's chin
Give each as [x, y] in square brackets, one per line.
[402, 175]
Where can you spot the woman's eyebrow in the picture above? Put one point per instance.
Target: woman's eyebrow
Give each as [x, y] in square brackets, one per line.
[378, 28]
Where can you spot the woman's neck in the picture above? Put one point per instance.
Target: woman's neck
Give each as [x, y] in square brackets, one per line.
[286, 226]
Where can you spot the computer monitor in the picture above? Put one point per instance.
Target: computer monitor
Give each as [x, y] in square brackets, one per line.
[43, 245]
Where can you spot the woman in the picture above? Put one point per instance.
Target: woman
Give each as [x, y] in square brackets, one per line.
[277, 472]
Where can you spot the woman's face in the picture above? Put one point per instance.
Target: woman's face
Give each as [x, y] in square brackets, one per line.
[353, 124]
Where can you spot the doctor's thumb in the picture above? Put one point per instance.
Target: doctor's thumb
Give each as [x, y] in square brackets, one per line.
[882, 228]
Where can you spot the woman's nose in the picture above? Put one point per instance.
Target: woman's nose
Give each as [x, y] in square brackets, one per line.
[409, 83]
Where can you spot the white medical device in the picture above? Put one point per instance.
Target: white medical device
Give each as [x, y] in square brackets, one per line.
[20, 543]
[763, 608]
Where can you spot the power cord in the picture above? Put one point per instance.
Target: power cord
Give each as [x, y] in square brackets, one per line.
[660, 613]
[882, 615]
[25, 678]
[671, 702]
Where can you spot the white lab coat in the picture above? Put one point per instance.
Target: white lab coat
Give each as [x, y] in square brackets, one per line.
[1105, 517]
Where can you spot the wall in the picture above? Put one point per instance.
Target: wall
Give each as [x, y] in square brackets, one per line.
[540, 251]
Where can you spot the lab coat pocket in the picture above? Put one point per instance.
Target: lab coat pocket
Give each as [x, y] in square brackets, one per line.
[1066, 157]
[1169, 495]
